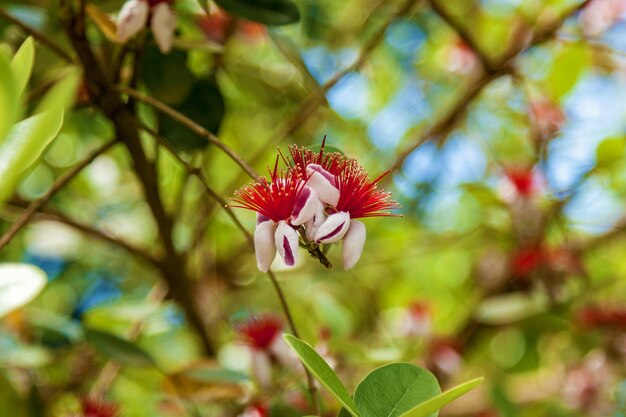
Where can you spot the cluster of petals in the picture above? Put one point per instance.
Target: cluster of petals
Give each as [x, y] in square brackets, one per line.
[319, 194]
[97, 408]
[263, 335]
[135, 14]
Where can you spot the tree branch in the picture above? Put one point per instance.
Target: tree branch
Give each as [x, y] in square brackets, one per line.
[40, 36]
[61, 182]
[191, 125]
[53, 215]
[106, 97]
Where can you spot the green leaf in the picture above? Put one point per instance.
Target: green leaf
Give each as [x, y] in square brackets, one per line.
[22, 64]
[570, 63]
[268, 12]
[610, 151]
[205, 106]
[23, 147]
[9, 102]
[393, 389]
[510, 308]
[118, 349]
[19, 284]
[216, 375]
[63, 94]
[320, 369]
[431, 406]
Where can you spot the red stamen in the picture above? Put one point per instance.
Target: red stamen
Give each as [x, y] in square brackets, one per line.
[360, 196]
[260, 331]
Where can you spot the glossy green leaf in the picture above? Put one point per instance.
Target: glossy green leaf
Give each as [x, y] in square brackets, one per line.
[9, 102]
[22, 64]
[320, 369]
[269, 12]
[429, 407]
[23, 147]
[118, 349]
[19, 284]
[393, 389]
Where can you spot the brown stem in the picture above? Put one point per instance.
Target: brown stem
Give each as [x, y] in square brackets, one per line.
[279, 292]
[105, 96]
[40, 36]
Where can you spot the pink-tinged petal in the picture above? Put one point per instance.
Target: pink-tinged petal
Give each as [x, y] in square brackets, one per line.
[285, 355]
[132, 18]
[286, 240]
[261, 218]
[323, 182]
[163, 24]
[353, 243]
[305, 206]
[261, 367]
[318, 219]
[264, 245]
[334, 228]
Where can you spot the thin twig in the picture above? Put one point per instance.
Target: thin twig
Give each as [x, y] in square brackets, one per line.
[193, 126]
[463, 33]
[223, 203]
[40, 36]
[53, 215]
[61, 182]
[502, 66]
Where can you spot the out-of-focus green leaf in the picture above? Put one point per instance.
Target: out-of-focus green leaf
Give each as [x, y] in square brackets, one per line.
[320, 369]
[610, 151]
[26, 357]
[167, 77]
[22, 64]
[10, 403]
[394, 389]
[509, 308]
[290, 51]
[269, 12]
[8, 95]
[63, 94]
[28, 139]
[23, 147]
[215, 375]
[205, 106]
[118, 349]
[19, 284]
[569, 65]
[427, 408]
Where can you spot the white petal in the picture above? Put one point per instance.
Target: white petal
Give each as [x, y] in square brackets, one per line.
[353, 243]
[264, 246]
[334, 228]
[285, 356]
[305, 206]
[318, 219]
[132, 18]
[163, 24]
[323, 182]
[261, 367]
[286, 240]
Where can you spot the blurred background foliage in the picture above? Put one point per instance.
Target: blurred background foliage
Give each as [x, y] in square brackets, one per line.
[503, 122]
